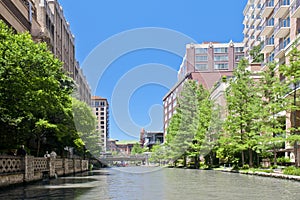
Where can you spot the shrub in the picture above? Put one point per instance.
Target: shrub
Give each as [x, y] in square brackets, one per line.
[245, 166]
[292, 171]
[283, 160]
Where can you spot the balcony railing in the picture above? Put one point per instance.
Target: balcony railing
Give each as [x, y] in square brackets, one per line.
[268, 45]
[282, 28]
[279, 49]
[295, 9]
[281, 8]
[268, 27]
[267, 8]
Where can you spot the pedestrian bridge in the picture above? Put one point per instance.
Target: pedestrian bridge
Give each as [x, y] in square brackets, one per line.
[109, 159]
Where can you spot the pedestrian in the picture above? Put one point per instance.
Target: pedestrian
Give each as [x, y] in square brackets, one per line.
[47, 155]
[21, 151]
[53, 154]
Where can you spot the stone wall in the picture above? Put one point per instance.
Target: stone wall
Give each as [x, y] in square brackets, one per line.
[15, 170]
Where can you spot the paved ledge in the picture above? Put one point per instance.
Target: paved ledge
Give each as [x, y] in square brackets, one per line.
[272, 175]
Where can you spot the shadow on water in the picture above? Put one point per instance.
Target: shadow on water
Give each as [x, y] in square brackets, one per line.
[68, 187]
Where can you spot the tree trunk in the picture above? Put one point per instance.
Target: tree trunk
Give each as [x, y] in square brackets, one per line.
[184, 160]
[38, 146]
[243, 158]
[294, 126]
[250, 158]
[211, 159]
[275, 156]
[197, 162]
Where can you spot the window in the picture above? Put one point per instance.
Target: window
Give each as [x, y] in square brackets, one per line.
[221, 50]
[221, 66]
[102, 109]
[201, 67]
[238, 49]
[97, 113]
[102, 113]
[221, 58]
[102, 122]
[201, 50]
[201, 58]
[238, 57]
[102, 118]
[97, 109]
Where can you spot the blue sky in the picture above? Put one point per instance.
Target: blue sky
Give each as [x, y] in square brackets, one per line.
[95, 22]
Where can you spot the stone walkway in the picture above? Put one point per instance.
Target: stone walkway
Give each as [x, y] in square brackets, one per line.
[278, 174]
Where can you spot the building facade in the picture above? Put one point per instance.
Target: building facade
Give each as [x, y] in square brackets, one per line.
[100, 107]
[45, 21]
[205, 63]
[20, 15]
[275, 26]
[150, 138]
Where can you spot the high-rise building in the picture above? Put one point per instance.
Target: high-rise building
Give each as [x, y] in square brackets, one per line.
[205, 63]
[20, 15]
[100, 107]
[45, 21]
[275, 25]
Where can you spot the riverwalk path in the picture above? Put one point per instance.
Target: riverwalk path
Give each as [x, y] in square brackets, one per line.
[275, 174]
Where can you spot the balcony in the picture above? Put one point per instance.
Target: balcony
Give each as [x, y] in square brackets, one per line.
[268, 45]
[267, 8]
[282, 28]
[268, 27]
[280, 49]
[295, 9]
[257, 21]
[281, 8]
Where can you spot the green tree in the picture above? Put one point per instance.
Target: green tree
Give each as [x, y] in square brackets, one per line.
[137, 149]
[291, 73]
[200, 144]
[243, 106]
[188, 112]
[256, 54]
[85, 122]
[273, 103]
[35, 93]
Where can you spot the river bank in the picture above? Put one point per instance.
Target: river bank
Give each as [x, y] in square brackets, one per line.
[278, 174]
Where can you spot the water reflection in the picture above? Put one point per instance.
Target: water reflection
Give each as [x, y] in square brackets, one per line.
[149, 183]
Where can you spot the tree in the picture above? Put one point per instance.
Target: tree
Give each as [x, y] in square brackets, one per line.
[255, 53]
[85, 123]
[291, 73]
[243, 106]
[273, 103]
[188, 112]
[35, 101]
[137, 149]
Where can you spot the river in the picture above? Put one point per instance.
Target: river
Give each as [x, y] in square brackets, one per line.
[153, 183]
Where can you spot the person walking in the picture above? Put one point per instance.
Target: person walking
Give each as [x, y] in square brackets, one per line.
[21, 151]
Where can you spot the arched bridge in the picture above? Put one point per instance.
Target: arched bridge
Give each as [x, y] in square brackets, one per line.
[108, 159]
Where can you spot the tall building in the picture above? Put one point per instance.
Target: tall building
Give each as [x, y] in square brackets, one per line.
[275, 25]
[100, 107]
[45, 21]
[20, 15]
[205, 63]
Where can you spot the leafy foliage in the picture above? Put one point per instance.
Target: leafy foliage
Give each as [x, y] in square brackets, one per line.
[35, 95]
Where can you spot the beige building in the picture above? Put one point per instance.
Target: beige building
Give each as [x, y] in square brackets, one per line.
[100, 107]
[20, 15]
[45, 21]
[205, 63]
[275, 24]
